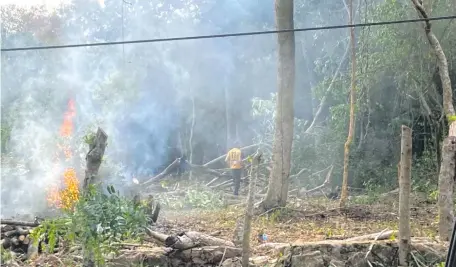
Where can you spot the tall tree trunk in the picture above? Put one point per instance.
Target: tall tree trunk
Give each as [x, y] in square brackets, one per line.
[351, 126]
[404, 195]
[284, 121]
[447, 166]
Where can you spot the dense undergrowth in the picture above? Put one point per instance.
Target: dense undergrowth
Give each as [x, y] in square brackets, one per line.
[97, 223]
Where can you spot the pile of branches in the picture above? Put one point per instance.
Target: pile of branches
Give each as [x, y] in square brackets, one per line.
[15, 236]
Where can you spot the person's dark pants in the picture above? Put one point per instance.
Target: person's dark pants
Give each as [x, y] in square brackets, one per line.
[236, 174]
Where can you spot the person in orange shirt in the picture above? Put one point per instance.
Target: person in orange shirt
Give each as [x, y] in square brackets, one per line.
[234, 159]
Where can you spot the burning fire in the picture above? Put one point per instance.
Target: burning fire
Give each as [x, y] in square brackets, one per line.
[67, 197]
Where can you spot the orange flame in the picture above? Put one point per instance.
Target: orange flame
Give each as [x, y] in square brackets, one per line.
[67, 197]
[67, 126]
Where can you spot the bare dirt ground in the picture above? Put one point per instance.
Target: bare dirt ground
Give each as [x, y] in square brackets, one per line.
[314, 221]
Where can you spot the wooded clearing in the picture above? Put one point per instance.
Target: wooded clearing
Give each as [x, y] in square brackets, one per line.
[130, 154]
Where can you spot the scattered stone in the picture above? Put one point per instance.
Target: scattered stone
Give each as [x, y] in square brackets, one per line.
[340, 253]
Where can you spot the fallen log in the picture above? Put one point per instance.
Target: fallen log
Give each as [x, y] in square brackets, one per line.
[22, 231]
[168, 170]
[15, 241]
[156, 235]
[16, 232]
[213, 180]
[204, 169]
[323, 185]
[224, 155]
[377, 236]
[187, 240]
[16, 223]
[228, 182]
[176, 163]
[7, 228]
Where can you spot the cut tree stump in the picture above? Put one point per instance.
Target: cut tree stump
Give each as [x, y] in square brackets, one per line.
[94, 157]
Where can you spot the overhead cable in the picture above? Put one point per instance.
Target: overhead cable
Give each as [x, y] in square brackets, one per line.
[212, 36]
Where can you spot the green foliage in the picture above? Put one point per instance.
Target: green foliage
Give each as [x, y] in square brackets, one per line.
[369, 199]
[51, 230]
[425, 173]
[194, 197]
[89, 138]
[5, 255]
[203, 199]
[451, 118]
[99, 220]
[5, 133]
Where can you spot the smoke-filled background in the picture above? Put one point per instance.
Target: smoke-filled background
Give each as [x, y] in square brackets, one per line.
[159, 101]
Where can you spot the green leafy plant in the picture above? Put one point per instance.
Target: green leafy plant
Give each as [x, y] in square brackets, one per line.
[89, 138]
[98, 221]
[5, 255]
[203, 199]
[50, 231]
[195, 197]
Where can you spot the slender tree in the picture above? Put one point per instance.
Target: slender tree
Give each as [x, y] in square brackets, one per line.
[351, 125]
[405, 178]
[447, 171]
[249, 209]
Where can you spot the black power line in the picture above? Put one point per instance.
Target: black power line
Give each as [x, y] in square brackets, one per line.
[229, 34]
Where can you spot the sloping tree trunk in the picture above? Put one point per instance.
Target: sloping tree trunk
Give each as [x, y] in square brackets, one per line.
[447, 166]
[283, 137]
[249, 209]
[351, 125]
